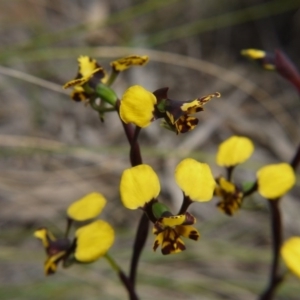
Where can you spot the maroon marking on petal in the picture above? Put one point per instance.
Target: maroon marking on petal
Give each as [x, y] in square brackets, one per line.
[167, 249]
[194, 235]
[155, 246]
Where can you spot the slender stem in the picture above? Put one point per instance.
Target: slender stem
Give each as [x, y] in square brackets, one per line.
[296, 159]
[276, 228]
[114, 74]
[185, 204]
[126, 282]
[69, 223]
[135, 153]
[139, 243]
[143, 227]
[251, 190]
[229, 172]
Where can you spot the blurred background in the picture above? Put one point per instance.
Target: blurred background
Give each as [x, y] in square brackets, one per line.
[54, 151]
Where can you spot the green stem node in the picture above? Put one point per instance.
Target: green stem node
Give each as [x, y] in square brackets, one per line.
[159, 209]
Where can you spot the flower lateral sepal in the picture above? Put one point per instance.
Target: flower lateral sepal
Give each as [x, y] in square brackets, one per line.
[56, 249]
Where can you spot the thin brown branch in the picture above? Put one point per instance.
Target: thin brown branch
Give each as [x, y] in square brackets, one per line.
[276, 228]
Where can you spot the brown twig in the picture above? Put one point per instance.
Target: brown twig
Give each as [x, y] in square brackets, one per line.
[129, 286]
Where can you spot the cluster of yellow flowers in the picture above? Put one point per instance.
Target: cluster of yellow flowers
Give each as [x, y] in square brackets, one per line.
[140, 186]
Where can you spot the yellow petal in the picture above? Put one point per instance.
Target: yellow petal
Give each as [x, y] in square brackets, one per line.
[50, 264]
[195, 179]
[123, 64]
[87, 65]
[234, 150]
[93, 241]
[87, 207]
[290, 252]
[275, 180]
[137, 106]
[253, 53]
[138, 186]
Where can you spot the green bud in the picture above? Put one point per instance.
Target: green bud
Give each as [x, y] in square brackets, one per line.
[106, 94]
[158, 209]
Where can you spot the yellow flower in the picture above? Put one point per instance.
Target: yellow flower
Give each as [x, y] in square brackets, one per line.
[56, 249]
[290, 252]
[170, 229]
[278, 61]
[141, 107]
[93, 241]
[234, 151]
[178, 113]
[275, 180]
[195, 179]
[137, 106]
[91, 73]
[140, 187]
[88, 207]
[87, 69]
[264, 58]
[231, 196]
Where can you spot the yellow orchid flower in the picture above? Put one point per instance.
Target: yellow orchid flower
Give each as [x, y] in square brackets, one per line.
[140, 107]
